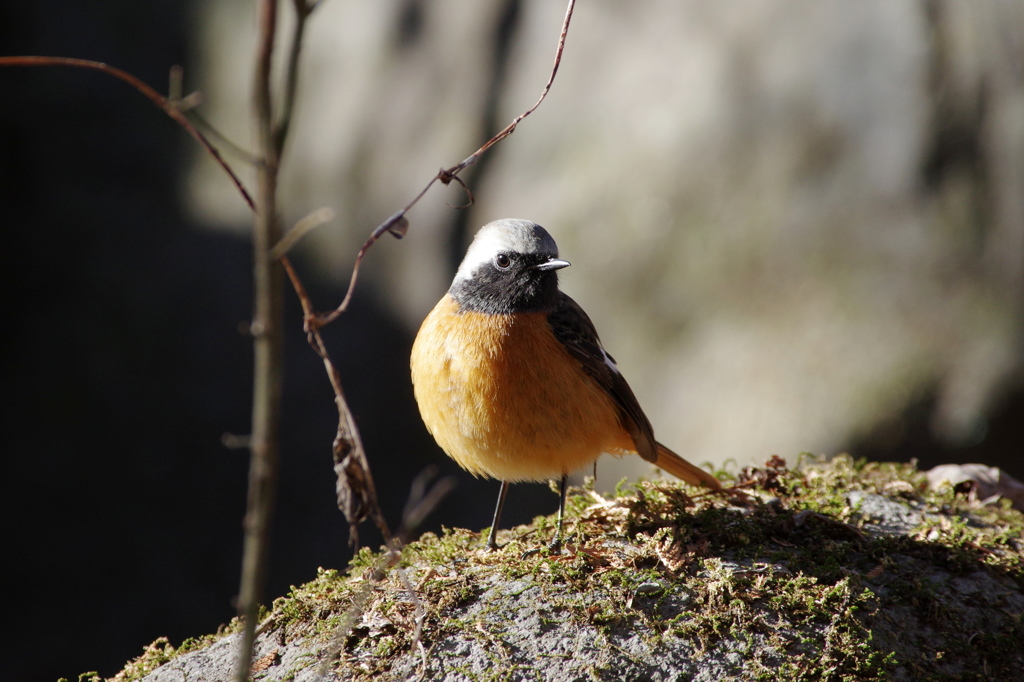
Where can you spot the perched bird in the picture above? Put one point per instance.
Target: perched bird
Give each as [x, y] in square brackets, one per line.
[511, 378]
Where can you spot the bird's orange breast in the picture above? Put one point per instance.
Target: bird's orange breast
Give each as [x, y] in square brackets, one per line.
[504, 398]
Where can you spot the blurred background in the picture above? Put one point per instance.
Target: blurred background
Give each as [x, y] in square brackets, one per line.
[798, 226]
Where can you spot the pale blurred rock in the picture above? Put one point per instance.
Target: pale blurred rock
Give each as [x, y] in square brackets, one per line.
[788, 220]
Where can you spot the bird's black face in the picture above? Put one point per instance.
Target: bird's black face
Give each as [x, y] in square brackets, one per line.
[510, 282]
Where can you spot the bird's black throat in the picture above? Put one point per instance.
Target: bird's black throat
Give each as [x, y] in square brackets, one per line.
[519, 288]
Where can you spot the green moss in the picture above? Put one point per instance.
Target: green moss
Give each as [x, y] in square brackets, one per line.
[783, 572]
[161, 651]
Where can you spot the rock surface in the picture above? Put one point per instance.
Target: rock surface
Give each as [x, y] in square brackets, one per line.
[843, 571]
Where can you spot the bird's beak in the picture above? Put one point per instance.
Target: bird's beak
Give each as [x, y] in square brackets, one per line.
[552, 264]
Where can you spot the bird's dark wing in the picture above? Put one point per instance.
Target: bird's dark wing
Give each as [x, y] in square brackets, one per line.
[574, 329]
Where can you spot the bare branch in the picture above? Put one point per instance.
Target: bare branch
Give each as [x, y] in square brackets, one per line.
[511, 127]
[303, 227]
[447, 175]
[268, 346]
[164, 103]
[357, 494]
[188, 105]
[302, 12]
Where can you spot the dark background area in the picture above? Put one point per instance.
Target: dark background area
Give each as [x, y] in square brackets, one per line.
[124, 364]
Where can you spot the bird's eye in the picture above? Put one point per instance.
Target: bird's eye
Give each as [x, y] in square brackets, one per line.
[502, 260]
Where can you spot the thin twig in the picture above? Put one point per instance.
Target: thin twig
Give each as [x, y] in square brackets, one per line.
[268, 346]
[308, 223]
[357, 494]
[164, 103]
[302, 12]
[188, 105]
[229, 145]
[268, 320]
[175, 89]
[511, 127]
[446, 176]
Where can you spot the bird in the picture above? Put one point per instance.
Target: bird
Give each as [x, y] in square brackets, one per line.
[512, 381]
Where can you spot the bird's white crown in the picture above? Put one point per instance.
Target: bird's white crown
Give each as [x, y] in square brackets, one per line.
[508, 235]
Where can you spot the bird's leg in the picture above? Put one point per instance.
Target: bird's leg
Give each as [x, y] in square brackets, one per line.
[492, 537]
[556, 545]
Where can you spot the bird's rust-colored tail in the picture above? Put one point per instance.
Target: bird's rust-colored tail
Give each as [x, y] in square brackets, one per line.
[680, 468]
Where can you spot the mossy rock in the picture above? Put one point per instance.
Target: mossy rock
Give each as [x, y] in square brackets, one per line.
[840, 570]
